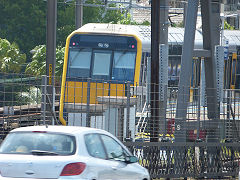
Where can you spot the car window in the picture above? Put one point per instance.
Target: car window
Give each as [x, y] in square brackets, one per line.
[113, 148]
[27, 142]
[94, 146]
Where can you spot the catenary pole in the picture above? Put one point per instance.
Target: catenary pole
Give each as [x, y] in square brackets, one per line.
[79, 14]
[51, 51]
[154, 90]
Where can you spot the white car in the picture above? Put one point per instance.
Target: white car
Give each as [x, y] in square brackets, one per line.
[65, 152]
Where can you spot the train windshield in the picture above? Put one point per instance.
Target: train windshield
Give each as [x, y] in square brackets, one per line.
[79, 62]
[123, 65]
[101, 64]
[113, 59]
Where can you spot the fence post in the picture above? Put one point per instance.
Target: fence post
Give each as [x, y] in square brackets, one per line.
[44, 98]
[88, 117]
[128, 110]
[198, 113]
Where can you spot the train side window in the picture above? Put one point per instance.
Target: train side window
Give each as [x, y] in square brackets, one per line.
[79, 62]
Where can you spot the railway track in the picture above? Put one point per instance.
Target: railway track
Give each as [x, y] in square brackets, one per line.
[12, 117]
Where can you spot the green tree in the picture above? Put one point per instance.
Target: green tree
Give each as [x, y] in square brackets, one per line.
[24, 21]
[66, 18]
[11, 60]
[38, 64]
[128, 20]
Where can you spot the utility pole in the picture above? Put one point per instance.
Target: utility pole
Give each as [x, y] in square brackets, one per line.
[51, 52]
[78, 14]
[159, 35]
[154, 90]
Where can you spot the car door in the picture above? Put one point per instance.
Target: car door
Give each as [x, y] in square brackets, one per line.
[98, 163]
[116, 153]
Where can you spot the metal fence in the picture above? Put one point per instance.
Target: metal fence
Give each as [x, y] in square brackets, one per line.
[211, 149]
[181, 160]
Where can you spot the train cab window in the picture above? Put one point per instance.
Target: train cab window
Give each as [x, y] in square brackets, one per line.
[101, 64]
[123, 65]
[79, 62]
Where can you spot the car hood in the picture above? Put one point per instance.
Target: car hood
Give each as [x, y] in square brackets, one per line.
[30, 166]
[143, 172]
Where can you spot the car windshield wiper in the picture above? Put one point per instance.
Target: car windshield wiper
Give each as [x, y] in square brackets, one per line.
[43, 153]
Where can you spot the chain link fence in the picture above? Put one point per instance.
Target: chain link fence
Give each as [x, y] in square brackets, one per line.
[211, 146]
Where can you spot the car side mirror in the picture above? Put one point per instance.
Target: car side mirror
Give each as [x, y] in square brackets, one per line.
[131, 159]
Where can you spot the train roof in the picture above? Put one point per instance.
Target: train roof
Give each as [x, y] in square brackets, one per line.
[175, 35]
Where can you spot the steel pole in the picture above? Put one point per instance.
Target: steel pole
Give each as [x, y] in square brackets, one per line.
[163, 33]
[186, 71]
[51, 49]
[78, 14]
[210, 11]
[154, 92]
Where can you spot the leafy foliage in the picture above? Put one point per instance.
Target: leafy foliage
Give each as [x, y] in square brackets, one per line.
[38, 64]
[31, 95]
[128, 20]
[90, 15]
[11, 59]
[24, 21]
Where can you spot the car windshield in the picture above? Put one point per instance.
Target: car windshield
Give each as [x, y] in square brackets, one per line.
[38, 143]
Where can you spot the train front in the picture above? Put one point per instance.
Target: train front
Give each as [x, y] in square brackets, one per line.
[96, 65]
